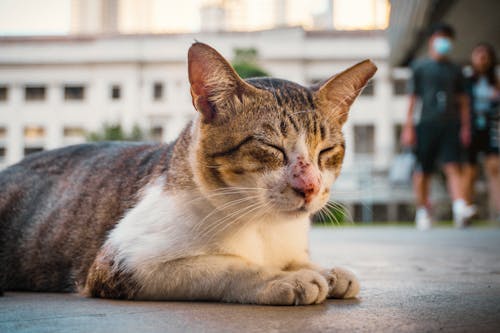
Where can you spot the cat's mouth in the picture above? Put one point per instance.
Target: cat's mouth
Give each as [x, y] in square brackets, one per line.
[296, 211]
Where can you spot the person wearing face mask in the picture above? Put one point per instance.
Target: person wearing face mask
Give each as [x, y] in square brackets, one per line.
[483, 88]
[443, 127]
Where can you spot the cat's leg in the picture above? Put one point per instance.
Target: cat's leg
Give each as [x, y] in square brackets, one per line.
[229, 279]
[342, 283]
[216, 278]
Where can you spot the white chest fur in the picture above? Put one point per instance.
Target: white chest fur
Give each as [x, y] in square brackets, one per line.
[162, 227]
[273, 243]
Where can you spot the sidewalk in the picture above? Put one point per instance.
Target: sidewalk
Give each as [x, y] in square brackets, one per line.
[444, 280]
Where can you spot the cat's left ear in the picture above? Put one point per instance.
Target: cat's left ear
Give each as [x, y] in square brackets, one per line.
[338, 93]
[214, 83]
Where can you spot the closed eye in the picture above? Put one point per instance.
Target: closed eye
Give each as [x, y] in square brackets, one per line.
[278, 148]
[331, 156]
[326, 150]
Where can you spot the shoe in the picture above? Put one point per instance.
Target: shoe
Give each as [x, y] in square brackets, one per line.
[423, 219]
[462, 213]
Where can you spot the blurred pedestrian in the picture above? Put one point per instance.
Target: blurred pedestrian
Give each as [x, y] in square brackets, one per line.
[483, 88]
[443, 128]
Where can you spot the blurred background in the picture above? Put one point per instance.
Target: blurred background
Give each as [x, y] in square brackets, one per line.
[87, 70]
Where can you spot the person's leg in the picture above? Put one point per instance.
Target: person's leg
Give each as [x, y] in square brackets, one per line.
[421, 182]
[454, 181]
[470, 168]
[451, 153]
[426, 154]
[469, 173]
[492, 170]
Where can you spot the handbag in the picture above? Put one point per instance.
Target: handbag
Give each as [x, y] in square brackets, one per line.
[402, 168]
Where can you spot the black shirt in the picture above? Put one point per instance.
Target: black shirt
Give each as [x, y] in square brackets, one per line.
[438, 85]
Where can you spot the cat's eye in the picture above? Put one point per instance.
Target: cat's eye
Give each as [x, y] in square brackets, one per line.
[327, 150]
[268, 153]
[279, 150]
[331, 157]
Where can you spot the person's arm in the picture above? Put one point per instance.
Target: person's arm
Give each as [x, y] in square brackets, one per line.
[408, 135]
[465, 129]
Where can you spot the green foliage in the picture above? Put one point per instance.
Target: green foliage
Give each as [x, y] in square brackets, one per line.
[116, 133]
[246, 70]
[245, 63]
[332, 215]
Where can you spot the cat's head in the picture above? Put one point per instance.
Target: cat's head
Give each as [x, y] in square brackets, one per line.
[271, 142]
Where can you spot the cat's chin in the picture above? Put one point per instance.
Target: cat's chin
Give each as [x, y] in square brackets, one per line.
[299, 212]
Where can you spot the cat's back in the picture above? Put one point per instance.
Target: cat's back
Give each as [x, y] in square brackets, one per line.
[56, 208]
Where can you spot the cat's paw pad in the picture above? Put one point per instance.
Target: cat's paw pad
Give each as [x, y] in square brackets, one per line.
[296, 288]
[342, 283]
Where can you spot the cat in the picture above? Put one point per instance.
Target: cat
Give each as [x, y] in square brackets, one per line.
[220, 214]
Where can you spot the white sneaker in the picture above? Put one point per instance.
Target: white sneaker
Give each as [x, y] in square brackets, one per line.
[423, 219]
[462, 213]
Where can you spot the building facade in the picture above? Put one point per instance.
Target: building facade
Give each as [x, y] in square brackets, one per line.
[54, 90]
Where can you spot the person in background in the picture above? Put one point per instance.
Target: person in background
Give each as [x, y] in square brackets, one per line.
[443, 128]
[483, 88]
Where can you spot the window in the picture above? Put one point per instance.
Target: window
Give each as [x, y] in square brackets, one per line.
[157, 133]
[369, 90]
[158, 91]
[34, 132]
[399, 87]
[398, 128]
[364, 139]
[74, 132]
[3, 150]
[32, 150]
[34, 93]
[4, 93]
[74, 93]
[116, 92]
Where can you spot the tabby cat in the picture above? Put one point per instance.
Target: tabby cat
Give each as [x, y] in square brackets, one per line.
[221, 214]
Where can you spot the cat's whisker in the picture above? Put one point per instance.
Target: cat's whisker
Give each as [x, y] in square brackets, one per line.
[340, 206]
[214, 229]
[222, 208]
[259, 207]
[242, 212]
[329, 216]
[227, 216]
[223, 192]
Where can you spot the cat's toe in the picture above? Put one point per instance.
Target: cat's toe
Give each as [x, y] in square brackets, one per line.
[342, 283]
[297, 288]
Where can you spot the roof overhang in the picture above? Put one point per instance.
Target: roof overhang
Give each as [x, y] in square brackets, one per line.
[411, 20]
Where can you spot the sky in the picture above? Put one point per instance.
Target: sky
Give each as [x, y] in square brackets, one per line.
[47, 17]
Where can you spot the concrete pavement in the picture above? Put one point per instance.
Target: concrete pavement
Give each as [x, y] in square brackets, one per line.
[444, 280]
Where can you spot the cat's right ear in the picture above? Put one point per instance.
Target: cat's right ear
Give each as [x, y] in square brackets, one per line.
[337, 94]
[213, 81]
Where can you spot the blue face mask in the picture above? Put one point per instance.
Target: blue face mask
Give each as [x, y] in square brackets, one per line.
[442, 45]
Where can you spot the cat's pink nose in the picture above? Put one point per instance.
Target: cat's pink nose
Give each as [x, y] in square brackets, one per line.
[305, 180]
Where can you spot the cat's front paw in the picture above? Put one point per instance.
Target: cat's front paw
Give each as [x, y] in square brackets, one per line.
[342, 283]
[295, 288]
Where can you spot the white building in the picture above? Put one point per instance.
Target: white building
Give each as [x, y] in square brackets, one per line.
[55, 89]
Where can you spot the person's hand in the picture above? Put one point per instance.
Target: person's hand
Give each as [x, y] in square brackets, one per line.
[465, 136]
[408, 135]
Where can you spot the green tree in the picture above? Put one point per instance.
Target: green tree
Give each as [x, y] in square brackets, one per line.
[245, 63]
[114, 132]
